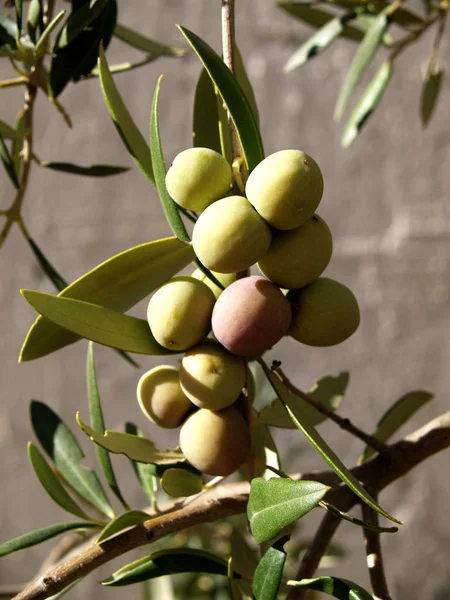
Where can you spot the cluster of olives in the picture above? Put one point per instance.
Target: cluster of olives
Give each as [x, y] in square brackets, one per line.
[275, 226]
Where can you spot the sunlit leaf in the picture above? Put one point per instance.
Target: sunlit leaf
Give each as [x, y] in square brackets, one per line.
[118, 283]
[276, 503]
[334, 586]
[65, 590]
[362, 59]
[51, 483]
[42, 42]
[17, 144]
[133, 446]
[159, 172]
[367, 103]
[62, 447]
[130, 134]
[180, 483]
[396, 416]
[146, 44]
[430, 94]
[319, 444]
[245, 83]
[91, 171]
[8, 132]
[234, 98]
[122, 522]
[269, 572]
[41, 535]
[8, 164]
[34, 18]
[168, 562]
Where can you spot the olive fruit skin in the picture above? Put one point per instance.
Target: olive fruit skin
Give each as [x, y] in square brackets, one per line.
[198, 177]
[211, 377]
[216, 442]
[230, 236]
[161, 398]
[298, 256]
[179, 312]
[285, 188]
[325, 313]
[224, 278]
[251, 316]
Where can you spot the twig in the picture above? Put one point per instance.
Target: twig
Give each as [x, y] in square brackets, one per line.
[343, 423]
[374, 555]
[231, 499]
[6, 83]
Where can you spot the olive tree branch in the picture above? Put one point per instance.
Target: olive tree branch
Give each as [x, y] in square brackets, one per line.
[343, 423]
[231, 499]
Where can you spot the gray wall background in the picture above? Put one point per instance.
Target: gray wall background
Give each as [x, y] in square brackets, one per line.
[386, 201]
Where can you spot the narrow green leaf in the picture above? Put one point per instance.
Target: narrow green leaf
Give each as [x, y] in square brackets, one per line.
[91, 171]
[269, 572]
[205, 123]
[321, 40]
[130, 134]
[146, 44]
[234, 98]
[8, 164]
[362, 59]
[19, 17]
[343, 515]
[98, 425]
[180, 483]
[78, 20]
[276, 503]
[430, 94]
[17, 144]
[159, 172]
[168, 562]
[367, 103]
[133, 446]
[96, 323]
[42, 42]
[34, 18]
[51, 483]
[118, 283]
[319, 18]
[121, 522]
[396, 416]
[8, 132]
[245, 83]
[146, 473]
[62, 447]
[123, 67]
[8, 33]
[334, 586]
[319, 444]
[41, 535]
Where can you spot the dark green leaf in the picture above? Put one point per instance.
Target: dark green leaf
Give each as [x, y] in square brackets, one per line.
[367, 103]
[343, 515]
[77, 22]
[319, 18]
[141, 42]
[98, 425]
[42, 42]
[234, 98]
[319, 444]
[119, 283]
[408, 19]
[62, 447]
[395, 417]
[276, 503]
[34, 19]
[19, 17]
[133, 446]
[59, 282]
[41, 535]
[362, 59]
[8, 33]
[130, 134]
[8, 164]
[181, 483]
[159, 173]
[96, 323]
[168, 562]
[51, 483]
[269, 572]
[430, 95]
[9, 132]
[17, 144]
[323, 38]
[334, 586]
[91, 171]
[123, 521]
[146, 474]
[206, 124]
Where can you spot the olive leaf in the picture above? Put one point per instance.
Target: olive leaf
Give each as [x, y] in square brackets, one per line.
[334, 586]
[269, 572]
[430, 94]
[130, 518]
[146, 44]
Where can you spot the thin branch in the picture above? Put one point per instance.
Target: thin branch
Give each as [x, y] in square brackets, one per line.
[231, 499]
[6, 83]
[343, 423]
[374, 555]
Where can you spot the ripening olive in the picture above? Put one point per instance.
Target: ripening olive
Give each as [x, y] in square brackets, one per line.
[230, 236]
[179, 312]
[161, 398]
[251, 316]
[325, 313]
[297, 257]
[211, 377]
[285, 188]
[216, 443]
[198, 177]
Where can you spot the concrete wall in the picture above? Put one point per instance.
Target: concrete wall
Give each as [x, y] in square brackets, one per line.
[386, 201]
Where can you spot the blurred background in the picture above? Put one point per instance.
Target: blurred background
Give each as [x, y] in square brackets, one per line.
[386, 201]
